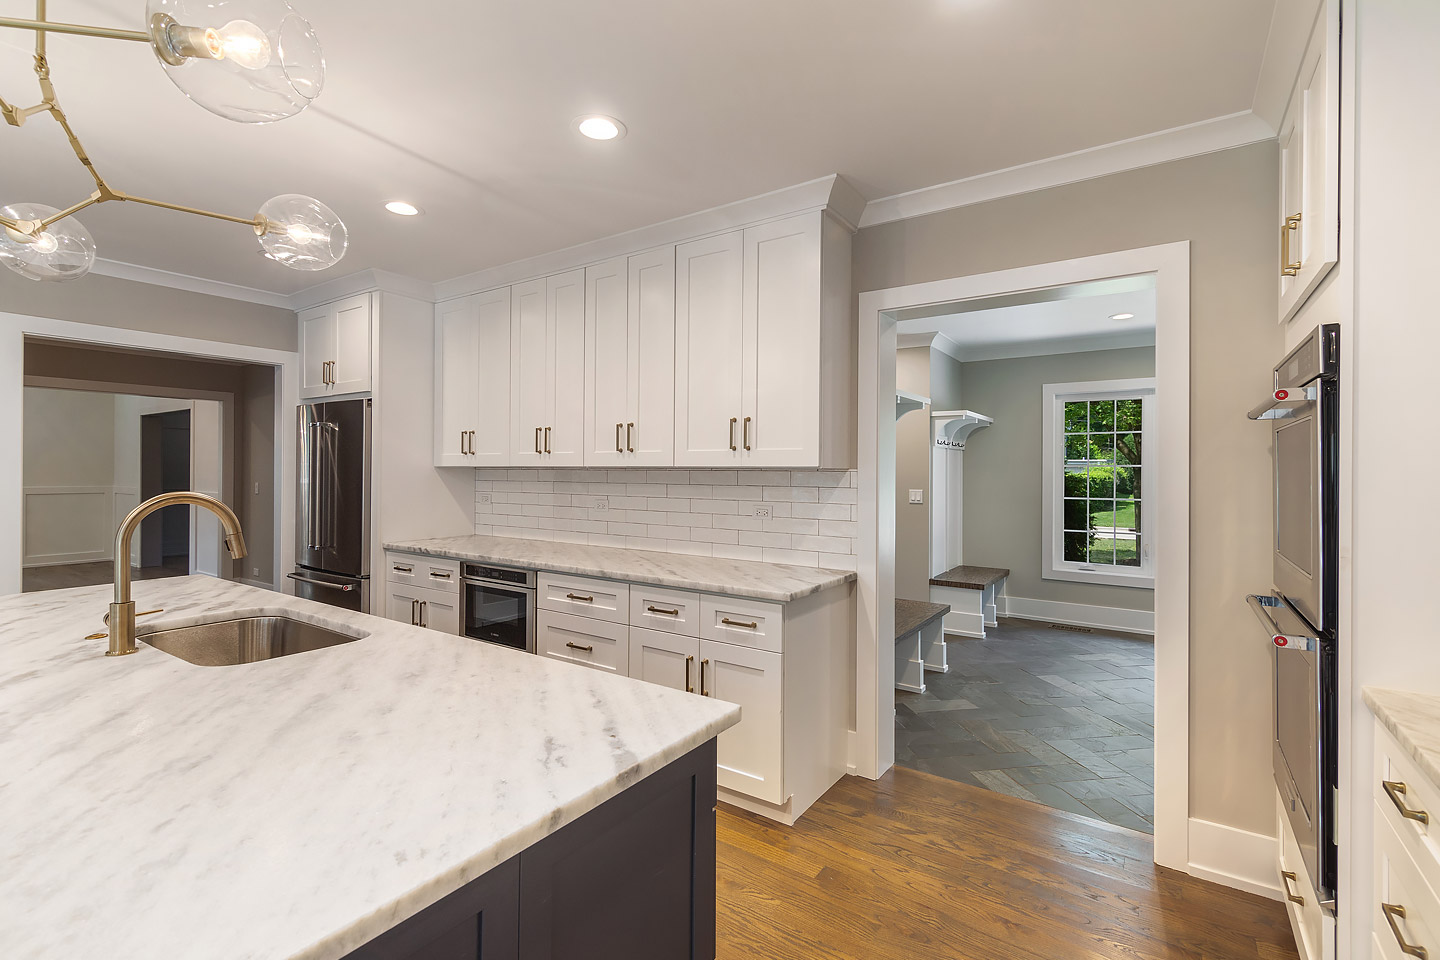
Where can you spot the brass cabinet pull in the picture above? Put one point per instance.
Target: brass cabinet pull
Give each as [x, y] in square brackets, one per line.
[537, 440]
[424, 613]
[578, 598]
[733, 421]
[402, 569]
[747, 433]
[1289, 876]
[668, 613]
[462, 443]
[580, 646]
[618, 447]
[689, 687]
[703, 691]
[472, 442]
[752, 625]
[630, 437]
[440, 574]
[1288, 269]
[547, 439]
[414, 613]
[1395, 790]
[1392, 911]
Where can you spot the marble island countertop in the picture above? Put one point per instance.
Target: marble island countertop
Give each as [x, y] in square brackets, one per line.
[780, 582]
[1413, 719]
[294, 807]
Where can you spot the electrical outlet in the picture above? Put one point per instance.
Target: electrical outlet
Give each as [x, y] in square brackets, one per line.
[254, 571]
[257, 488]
[917, 496]
[761, 510]
[482, 498]
[602, 503]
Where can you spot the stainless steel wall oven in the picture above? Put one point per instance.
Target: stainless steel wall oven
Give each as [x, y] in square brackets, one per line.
[498, 605]
[1300, 612]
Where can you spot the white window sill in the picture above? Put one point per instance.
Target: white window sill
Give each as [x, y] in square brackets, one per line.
[1108, 576]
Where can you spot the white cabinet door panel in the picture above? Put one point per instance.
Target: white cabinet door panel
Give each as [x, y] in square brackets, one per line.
[565, 316]
[607, 362]
[317, 349]
[751, 753]
[1310, 167]
[650, 424]
[457, 402]
[709, 288]
[664, 658]
[351, 370]
[781, 334]
[490, 444]
[530, 372]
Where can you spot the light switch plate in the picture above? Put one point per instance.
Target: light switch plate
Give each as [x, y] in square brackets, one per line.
[917, 496]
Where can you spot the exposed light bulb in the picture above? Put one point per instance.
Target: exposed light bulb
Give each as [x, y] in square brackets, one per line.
[300, 233]
[241, 42]
[46, 243]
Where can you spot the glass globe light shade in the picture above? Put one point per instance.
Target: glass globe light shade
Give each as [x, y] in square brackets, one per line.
[302, 233]
[62, 251]
[252, 61]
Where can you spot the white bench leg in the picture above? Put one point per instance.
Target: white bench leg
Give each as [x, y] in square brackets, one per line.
[932, 648]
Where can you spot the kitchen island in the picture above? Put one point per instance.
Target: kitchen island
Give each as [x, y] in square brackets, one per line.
[303, 806]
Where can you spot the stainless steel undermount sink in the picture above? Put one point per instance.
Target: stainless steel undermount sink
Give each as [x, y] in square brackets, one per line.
[226, 643]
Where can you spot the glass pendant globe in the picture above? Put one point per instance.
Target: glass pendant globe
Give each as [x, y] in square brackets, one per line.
[302, 233]
[252, 61]
[62, 251]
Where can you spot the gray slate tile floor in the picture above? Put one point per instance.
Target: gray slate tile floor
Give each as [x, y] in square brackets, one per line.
[1060, 717]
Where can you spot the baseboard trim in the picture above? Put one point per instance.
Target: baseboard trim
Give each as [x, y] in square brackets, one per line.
[1079, 614]
[1234, 858]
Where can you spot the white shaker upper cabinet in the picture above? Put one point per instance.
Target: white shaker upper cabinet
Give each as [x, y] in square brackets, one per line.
[765, 347]
[472, 380]
[709, 350]
[564, 444]
[1310, 167]
[335, 348]
[530, 369]
[630, 360]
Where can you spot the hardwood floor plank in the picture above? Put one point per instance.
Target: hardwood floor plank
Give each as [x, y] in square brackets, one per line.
[916, 866]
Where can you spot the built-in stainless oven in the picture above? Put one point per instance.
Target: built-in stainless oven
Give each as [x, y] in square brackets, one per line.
[1300, 610]
[498, 605]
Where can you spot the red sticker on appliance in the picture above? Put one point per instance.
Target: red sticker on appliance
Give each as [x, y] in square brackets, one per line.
[1281, 641]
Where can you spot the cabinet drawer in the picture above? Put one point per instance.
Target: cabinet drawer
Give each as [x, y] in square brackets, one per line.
[1398, 884]
[750, 623]
[599, 599]
[1307, 919]
[595, 643]
[671, 611]
[429, 572]
[1412, 792]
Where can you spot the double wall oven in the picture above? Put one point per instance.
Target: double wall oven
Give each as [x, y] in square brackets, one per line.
[1300, 611]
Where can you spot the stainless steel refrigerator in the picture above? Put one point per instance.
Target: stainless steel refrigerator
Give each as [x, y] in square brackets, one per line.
[332, 517]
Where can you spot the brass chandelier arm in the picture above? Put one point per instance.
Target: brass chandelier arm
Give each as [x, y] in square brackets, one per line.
[259, 223]
[78, 29]
[68, 211]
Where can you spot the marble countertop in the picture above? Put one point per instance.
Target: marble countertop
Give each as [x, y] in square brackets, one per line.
[295, 807]
[781, 582]
[1414, 720]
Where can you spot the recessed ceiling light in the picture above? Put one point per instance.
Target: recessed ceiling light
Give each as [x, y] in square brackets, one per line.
[1123, 316]
[403, 209]
[598, 127]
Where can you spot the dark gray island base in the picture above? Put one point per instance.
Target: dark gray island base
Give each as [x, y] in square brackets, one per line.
[633, 879]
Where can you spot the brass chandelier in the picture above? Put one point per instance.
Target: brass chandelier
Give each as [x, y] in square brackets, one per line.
[251, 61]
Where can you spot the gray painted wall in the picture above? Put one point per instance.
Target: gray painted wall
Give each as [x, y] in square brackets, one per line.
[936, 375]
[1004, 472]
[1224, 204]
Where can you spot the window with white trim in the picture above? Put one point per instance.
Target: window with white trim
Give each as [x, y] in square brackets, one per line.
[1099, 483]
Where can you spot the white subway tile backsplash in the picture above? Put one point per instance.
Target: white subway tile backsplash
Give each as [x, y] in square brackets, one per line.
[811, 513]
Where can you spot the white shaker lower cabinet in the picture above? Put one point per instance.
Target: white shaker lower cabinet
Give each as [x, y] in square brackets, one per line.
[598, 644]
[1405, 915]
[423, 607]
[751, 753]
[1312, 925]
[664, 658]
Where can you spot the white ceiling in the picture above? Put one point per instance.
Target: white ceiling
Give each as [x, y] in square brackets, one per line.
[465, 107]
[1058, 320]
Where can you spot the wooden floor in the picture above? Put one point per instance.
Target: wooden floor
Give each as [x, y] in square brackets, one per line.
[915, 867]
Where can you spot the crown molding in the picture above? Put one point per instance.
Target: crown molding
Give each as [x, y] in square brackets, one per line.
[120, 270]
[948, 347]
[1195, 139]
[832, 194]
[364, 281]
[1291, 25]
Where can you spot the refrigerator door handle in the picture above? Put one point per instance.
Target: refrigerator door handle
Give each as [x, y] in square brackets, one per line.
[343, 587]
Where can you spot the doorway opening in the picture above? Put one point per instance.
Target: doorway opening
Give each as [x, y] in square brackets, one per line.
[1022, 465]
[165, 468]
[1023, 549]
